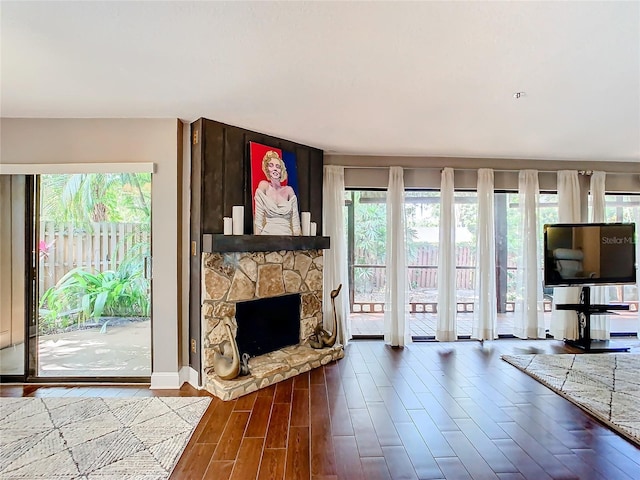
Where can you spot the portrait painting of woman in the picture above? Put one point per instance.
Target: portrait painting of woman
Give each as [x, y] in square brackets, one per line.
[275, 202]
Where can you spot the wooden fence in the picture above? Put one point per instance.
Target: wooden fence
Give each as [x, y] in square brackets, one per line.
[102, 247]
[426, 276]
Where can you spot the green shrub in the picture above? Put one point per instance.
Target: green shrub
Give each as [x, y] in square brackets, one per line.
[83, 295]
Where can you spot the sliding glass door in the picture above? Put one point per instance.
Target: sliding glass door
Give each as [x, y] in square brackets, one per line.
[366, 239]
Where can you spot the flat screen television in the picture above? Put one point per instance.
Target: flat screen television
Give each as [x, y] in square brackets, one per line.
[589, 254]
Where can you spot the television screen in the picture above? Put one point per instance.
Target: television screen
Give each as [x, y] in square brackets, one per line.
[589, 254]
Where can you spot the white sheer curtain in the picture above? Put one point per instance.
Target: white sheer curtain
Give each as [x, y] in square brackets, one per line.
[600, 324]
[485, 309]
[396, 332]
[564, 323]
[446, 323]
[529, 315]
[335, 258]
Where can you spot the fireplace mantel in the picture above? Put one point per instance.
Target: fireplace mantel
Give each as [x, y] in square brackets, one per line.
[261, 243]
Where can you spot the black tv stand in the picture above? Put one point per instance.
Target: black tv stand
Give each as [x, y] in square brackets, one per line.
[585, 309]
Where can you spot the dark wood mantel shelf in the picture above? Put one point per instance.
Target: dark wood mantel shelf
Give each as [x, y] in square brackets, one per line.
[260, 243]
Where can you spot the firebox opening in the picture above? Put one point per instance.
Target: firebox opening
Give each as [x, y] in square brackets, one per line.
[268, 324]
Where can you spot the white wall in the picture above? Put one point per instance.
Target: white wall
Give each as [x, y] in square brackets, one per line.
[98, 141]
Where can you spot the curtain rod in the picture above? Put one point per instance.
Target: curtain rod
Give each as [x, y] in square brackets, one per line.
[440, 169]
[473, 163]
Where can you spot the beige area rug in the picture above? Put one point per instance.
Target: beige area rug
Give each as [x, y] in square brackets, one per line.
[605, 385]
[95, 438]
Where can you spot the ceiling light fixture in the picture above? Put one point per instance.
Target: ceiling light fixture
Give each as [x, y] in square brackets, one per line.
[519, 94]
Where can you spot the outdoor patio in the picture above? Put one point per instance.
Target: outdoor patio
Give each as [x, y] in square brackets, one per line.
[120, 351]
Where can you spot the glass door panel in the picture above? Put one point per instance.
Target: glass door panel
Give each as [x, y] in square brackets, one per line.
[94, 237]
[626, 209]
[12, 278]
[367, 235]
[466, 211]
[422, 213]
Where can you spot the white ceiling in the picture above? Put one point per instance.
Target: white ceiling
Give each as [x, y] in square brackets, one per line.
[369, 78]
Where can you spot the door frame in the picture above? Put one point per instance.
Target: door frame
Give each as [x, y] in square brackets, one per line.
[30, 273]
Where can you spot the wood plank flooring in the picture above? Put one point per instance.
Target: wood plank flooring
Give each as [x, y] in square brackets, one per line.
[428, 411]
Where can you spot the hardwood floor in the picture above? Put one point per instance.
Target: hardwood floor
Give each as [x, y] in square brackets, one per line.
[428, 411]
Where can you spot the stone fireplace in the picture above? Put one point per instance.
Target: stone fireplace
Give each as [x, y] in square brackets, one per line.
[232, 277]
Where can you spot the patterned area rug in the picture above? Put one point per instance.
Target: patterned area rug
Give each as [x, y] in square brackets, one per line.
[605, 385]
[95, 438]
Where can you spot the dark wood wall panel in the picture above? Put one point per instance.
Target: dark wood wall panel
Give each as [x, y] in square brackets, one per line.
[304, 180]
[212, 137]
[196, 245]
[316, 172]
[226, 174]
[234, 178]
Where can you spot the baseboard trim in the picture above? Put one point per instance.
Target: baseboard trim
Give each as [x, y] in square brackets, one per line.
[165, 380]
[189, 375]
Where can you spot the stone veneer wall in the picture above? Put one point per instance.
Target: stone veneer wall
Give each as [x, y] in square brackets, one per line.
[234, 277]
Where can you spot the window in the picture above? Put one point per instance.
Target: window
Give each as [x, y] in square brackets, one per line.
[422, 213]
[626, 209]
[366, 229]
[366, 238]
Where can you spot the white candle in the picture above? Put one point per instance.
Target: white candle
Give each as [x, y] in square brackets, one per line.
[228, 225]
[238, 219]
[314, 229]
[305, 223]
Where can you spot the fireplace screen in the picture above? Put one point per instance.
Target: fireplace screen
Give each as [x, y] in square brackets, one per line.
[268, 324]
